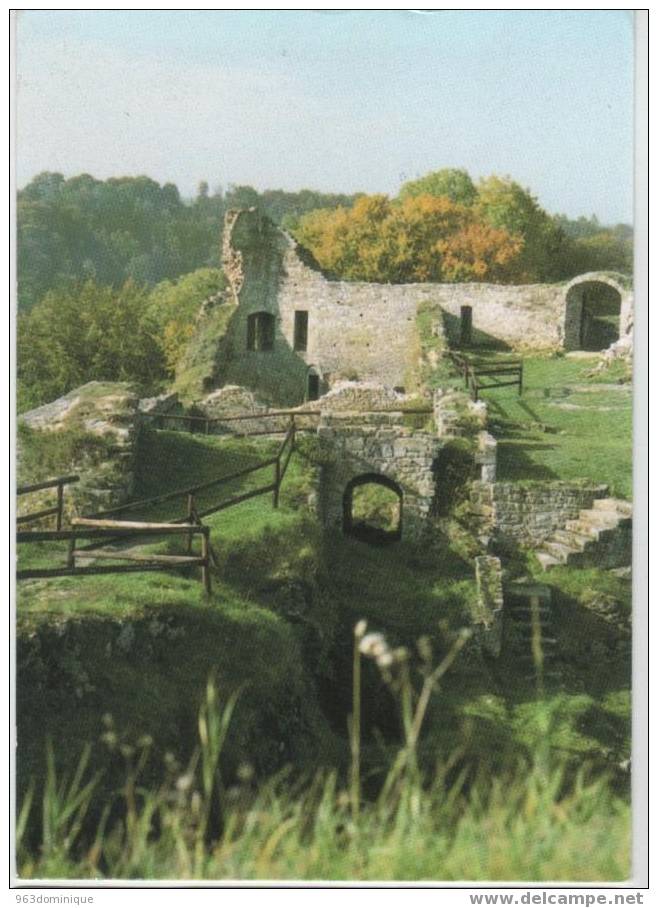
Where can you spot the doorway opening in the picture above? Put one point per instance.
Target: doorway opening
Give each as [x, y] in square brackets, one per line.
[592, 316]
[372, 509]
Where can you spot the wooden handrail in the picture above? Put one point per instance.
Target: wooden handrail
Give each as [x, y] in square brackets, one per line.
[107, 530]
[46, 484]
[58, 509]
[191, 490]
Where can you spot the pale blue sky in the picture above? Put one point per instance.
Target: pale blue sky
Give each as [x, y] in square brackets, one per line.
[336, 101]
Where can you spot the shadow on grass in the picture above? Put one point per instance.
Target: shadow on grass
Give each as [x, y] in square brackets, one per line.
[515, 461]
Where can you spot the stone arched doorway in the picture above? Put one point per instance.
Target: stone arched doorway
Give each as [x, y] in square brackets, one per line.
[592, 313]
[372, 509]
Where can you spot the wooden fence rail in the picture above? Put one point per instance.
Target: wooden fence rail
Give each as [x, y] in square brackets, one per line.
[57, 509]
[473, 370]
[107, 530]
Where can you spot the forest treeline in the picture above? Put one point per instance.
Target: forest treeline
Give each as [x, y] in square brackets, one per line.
[441, 227]
[131, 228]
[111, 273]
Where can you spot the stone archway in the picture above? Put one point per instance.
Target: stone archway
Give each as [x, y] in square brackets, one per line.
[377, 519]
[594, 306]
[357, 449]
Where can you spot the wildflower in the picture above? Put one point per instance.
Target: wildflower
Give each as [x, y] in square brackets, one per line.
[109, 738]
[373, 645]
[145, 741]
[425, 649]
[127, 750]
[184, 783]
[360, 628]
[107, 720]
[385, 659]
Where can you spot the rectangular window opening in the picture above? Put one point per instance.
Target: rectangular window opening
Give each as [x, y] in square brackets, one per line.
[301, 330]
[313, 386]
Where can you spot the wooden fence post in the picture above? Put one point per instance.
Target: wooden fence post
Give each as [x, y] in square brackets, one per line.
[277, 482]
[60, 504]
[191, 520]
[205, 567]
[70, 558]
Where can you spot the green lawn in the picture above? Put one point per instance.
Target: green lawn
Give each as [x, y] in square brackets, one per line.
[565, 425]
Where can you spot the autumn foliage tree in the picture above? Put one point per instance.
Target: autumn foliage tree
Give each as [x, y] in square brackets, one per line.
[417, 238]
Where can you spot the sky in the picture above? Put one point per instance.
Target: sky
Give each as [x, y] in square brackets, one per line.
[338, 101]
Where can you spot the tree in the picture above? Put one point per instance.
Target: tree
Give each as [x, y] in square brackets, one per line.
[504, 204]
[420, 238]
[174, 305]
[450, 182]
[87, 332]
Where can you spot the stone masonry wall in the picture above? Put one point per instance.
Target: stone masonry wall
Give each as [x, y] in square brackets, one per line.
[528, 514]
[353, 445]
[358, 330]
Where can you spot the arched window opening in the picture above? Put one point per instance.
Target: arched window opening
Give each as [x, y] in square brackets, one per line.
[592, 316]
[372, 509]
[260, 331]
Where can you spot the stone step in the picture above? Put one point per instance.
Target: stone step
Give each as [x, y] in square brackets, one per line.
[546, 560]
[599, 518]
[619, 505]
[559, 550]
[545, 641]
[584, 528]
[555, 676]
[572, 538]
[524, 616]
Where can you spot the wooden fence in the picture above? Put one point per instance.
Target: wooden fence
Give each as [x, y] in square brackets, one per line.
[57, 509]
[107, 531]
[204, 424]
[492, 371]
[279, 463]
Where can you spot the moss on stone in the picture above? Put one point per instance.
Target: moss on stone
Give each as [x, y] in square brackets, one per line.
[198, 366]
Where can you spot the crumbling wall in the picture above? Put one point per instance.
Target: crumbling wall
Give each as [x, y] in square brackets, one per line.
[92, 431]
[358, 330]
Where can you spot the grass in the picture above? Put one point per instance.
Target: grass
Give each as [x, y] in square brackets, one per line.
[566, 425]
[530, 824]
[284, 600]
[198, 366]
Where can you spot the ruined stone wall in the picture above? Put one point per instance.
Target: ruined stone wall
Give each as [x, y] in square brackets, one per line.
[92, 431]
[352, 445]
[358, 330]
[528, 514]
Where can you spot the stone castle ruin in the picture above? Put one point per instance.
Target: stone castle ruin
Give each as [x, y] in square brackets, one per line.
[296, 333]
[345, 356]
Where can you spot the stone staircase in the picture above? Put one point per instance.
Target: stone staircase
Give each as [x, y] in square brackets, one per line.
[529, 638]
[601, 536]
